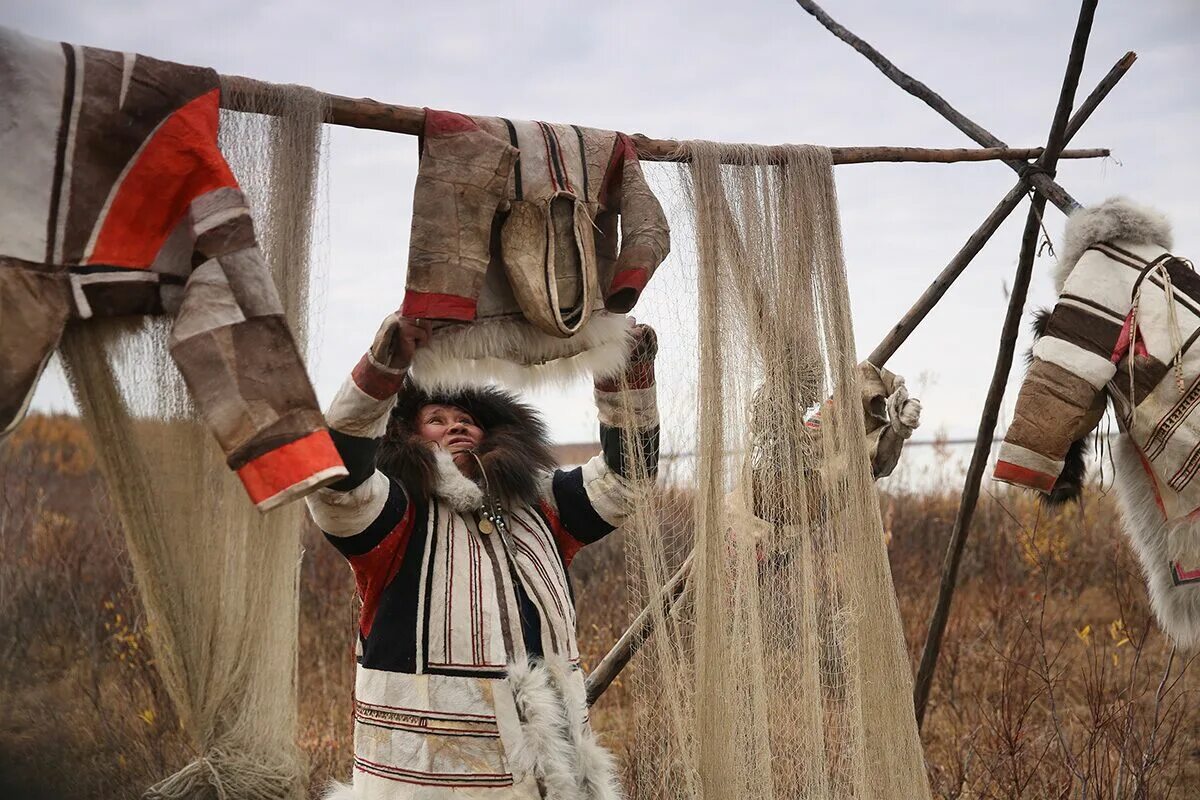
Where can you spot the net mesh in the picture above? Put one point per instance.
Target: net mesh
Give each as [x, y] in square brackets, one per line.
[782, 672]
[218, 581]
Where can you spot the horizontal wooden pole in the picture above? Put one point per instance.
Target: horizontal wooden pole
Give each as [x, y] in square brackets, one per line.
[246, 94]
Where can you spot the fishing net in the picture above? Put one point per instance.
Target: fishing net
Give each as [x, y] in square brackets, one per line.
[218, 581]
[782, 672]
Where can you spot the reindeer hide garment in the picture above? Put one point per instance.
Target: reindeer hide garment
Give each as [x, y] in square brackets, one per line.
[1125, 328]
[514, 249]
[115, 201]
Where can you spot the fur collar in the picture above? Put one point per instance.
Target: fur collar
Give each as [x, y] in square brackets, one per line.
[515, 451]
[1116, 219]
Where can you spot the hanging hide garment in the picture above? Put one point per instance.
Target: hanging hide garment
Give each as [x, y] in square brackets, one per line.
[514, 249]
[116, 202]
[217, 580]
[890, 416]
[1124, 329]
[469, 683]
[781, 678]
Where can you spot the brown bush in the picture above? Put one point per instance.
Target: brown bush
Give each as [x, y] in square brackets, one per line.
[1053, 680]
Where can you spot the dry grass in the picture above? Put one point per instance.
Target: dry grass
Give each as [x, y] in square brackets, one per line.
[1053, 680]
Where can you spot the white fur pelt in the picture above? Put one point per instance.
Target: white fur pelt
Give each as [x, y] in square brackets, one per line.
[1116, 219]
[462, 493]
[336, 790]
[473, 354]
[1157, 543]
[596, 767]
[558, 746]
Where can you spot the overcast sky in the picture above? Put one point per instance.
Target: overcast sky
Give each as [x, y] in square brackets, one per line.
[758, 71]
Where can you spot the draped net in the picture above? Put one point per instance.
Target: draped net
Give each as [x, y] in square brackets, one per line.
[217, 580]
[782, 673]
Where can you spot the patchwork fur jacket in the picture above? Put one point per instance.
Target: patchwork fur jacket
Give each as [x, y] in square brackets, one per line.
[1124, 329]
[115, 201]
[514, 248]
[469, 683]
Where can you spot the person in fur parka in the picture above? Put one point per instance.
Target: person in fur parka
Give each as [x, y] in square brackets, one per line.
[459, 531]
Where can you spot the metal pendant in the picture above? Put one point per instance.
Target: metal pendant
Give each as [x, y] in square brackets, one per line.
[486, 526]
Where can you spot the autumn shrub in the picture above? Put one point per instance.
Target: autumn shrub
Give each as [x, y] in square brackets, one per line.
[1053, 679]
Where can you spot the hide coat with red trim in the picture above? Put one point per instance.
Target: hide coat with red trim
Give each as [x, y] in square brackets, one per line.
[514, 248]
[469, 682]
[115, 201]
[1124, 330]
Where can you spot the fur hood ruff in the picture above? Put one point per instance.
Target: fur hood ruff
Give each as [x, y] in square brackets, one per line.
[515, 451]
[1116, 219]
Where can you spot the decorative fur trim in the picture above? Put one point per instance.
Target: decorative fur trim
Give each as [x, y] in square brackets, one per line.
[515, 450]
[1157, 543]
[557, 744]
[466, 355]
[544, 750]
[336, 790]
[596, 767]
[452, 486]
[1116, 219]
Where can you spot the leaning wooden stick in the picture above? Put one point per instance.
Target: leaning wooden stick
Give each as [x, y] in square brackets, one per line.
[239, 93]
[1004, 359]
[925, 303]
[638, 631]
[1040, 180]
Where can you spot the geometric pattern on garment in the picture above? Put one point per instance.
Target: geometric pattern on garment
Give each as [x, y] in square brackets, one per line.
[428, 737]
[112, 184]
[1164, 547]
[468, 608]
[1162, 421]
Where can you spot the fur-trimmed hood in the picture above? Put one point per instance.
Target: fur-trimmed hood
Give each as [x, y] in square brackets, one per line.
[515, 451]
[1116, 219]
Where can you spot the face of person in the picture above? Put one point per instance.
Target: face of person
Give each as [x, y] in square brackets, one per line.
[450, 428]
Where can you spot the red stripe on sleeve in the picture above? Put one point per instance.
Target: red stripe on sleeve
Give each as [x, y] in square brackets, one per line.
[178, 163]
[280, 469]
[636, 376]
[431, 305]
[1023, 476]
[568, 545]
[374, 381]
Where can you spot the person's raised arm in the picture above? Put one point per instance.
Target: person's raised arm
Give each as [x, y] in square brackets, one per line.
[367, 501]
[593, 500]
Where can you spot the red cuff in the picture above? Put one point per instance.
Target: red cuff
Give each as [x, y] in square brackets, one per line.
[292, 470]
[639, 375]
[378, 383]
[634, 279]
[1023, 476]
[431, 305]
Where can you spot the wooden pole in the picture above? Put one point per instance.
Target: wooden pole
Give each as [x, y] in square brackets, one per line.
[1040, 180]
[1004, 359]
[925, 303]
[240, 94]
[637, 633]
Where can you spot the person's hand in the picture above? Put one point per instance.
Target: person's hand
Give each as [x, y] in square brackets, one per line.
[645, 344]
[398, 340]
[904, 412]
